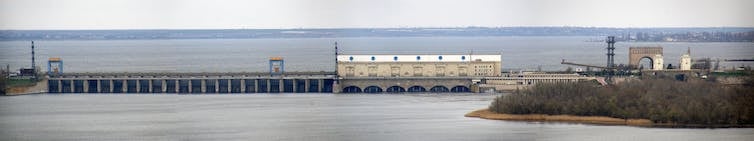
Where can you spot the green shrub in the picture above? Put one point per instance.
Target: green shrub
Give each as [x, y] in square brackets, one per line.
[660, 100]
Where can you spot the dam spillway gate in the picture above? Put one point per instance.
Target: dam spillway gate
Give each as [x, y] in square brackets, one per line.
[185, 83]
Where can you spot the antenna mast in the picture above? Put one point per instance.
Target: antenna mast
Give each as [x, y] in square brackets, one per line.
[336, 58]
[33, 66]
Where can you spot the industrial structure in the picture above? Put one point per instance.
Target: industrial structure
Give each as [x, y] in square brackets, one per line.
[414, 73]
[418, 65]
[54, 66]
[298, 82]
[685, 63]
[521, 80]
[439, 73]
[277, 65]
[30, 72]
[654, 54]
[33, 61]
[610, 58]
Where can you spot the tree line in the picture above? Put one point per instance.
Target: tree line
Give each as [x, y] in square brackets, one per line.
[660, 100]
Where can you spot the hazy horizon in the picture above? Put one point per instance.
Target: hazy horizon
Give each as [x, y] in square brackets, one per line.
[315, 28]
[296, 14]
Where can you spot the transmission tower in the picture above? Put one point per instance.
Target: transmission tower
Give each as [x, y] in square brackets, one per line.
[610, 59]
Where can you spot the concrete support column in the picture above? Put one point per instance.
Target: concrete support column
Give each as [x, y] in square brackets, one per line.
[336, 87]
[190, 86]
[243, 86]
[268, 85]
[125, 86]
[306, 85]
[203, 85]
[138, 86]
[295, 82]
[73, 88]
[150, 86]
[86, 85]
[99, 85]
[281, 85]
[164, 85]
[111, 85]
[321, 85]
[217, 86]
[230, 85]
[256, 85]
[60, 86]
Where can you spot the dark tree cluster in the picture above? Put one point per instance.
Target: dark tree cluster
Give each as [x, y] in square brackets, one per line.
[659, 100]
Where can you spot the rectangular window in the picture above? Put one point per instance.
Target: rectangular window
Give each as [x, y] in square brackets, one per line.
[462, 71]
[350, 71]
[418, 71]
[372, 71]
[440, 71]
[395, 71]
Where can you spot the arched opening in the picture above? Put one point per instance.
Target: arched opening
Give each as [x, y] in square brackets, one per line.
[351, 89]
[439, 89]
[417, 89]
[460, 89]
[645, 62]
[395, 89]
[372, 89]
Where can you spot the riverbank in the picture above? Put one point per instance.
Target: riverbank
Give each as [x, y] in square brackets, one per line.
[487, 114]
[39, 87]
[599, 120]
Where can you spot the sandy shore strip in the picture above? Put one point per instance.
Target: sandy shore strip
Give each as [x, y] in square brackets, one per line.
[40, 87]
[487, 114]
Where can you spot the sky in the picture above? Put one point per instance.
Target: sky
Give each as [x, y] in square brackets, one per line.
[267, 14]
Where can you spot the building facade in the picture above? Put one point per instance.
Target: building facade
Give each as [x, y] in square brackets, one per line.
[686, 60]
[419, 65]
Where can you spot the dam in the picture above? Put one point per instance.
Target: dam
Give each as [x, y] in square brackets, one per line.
[362, 73]
[292, 82]
[455, 73]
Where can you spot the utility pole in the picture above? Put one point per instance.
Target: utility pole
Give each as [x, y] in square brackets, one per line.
[336, 58]
[335, 78]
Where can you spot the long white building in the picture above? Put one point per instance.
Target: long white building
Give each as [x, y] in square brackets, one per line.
[456, 65]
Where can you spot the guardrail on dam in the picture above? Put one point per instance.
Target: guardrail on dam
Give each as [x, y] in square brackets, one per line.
[289, 82]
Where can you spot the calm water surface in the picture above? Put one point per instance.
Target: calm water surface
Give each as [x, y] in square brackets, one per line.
[297, 117]
[317, 54]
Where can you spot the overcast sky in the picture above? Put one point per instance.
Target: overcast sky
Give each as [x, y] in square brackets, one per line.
[235, 14]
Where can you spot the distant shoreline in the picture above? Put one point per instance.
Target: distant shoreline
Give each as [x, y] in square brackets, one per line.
[600, 120]
[680, 34]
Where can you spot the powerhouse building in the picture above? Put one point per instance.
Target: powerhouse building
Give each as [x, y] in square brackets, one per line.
[457, 65]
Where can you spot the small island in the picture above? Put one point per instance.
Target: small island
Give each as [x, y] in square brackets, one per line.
[653, 102]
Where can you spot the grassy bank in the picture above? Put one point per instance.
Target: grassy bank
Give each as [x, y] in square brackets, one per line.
[21, 86]
[662, 101]
[487, 114]
[20, 82]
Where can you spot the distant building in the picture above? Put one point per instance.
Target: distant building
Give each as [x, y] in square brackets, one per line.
[28, 72]
[419, 65]
[658, 62]
[686, 60]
